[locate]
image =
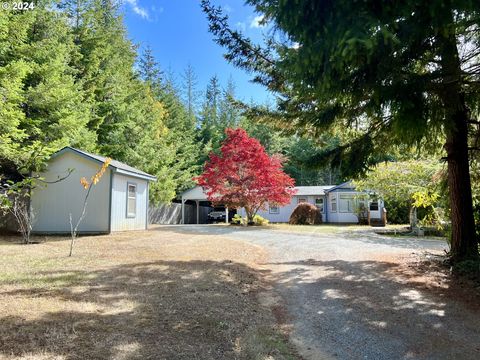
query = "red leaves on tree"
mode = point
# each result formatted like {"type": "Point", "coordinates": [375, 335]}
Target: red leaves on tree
{"type": "Point", "coordinates": [244, 175]}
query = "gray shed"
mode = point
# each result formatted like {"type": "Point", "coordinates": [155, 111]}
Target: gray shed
{"type": "Point", "coordinates": [119, 201]}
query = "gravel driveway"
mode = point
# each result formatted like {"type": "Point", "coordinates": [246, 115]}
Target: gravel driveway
{"type": "Point", "coordinates": [349, 295]}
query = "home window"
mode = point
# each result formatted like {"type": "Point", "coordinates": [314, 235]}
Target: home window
{"type": "Point", "coordinates": [274, 209]}
{"type": "Point", "coordinates": [334, 203]}
{"type": "Point", "coordinates": [302, 200]}
{"type": "Point", "coordinates": [319, 204]}
{"type": "Point", "coordinates": [374, 206]}
{"type": "Point", "coordinates": [131, 200]}
{"type": "Point", "coordinates": [346, 203]}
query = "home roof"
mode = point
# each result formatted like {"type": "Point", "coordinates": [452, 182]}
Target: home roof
{"type": "Point", "coordinates": [312, 190]}
{"type": "Point", "coordinates": [345, 185]}
{"type": "Point", "coordinates": [116, 165]}
{"type": "Point", "coordinates": [197, 192]}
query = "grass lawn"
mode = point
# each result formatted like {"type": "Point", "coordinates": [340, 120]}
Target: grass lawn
{"type": "Point", "coordinates": [137, 295]}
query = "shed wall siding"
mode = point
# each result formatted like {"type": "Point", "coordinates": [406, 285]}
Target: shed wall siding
{"type": "Point", "coordinates": [119, 219]}
{"type": "Point", "coordinates": [52, 204]}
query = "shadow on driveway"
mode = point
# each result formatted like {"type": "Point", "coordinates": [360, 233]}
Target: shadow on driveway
{"type": "Point", "coordinates": [376, 310]}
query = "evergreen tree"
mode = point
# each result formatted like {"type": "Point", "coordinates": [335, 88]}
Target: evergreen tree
{"type": "Point", "coordinates": [174, 138]}
{"type": "Point", "coordinates": [190, 92]}
{"type": "Point", "coordinates": [43, 107]}
{"type": "Point", "coordinates": [209, 116]}
{"type": "Point", "coordinates": [150, 71]}
{"type": "Point", "coordinates": [229, 114]}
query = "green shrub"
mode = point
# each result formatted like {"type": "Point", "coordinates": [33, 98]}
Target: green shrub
{"type": "Point", "coordinates": [258, 220]}
{"type": "Point", "coordinates": [305, 214]}
{"type": "Point", "coordinates": [237, 219]}
{"type": "Point", "coordinates": [397, 212]}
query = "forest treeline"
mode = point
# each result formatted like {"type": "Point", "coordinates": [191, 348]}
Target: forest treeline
{"type": "Point", "coordinates": [69, 75]}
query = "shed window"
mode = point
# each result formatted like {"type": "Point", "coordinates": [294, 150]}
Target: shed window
{"type": "Point", "coordinates": [302, 200]}
{"type": "Point", "coordinates": [319, 204]}
{"type": "Point", "coordinates": [346, 203]}
{"type": "Point", "coordinates": [374, 206]}
{"type": "Point", "coordinates": [274, 209]}
{"type": "Point", "coordinates": [131, 200]}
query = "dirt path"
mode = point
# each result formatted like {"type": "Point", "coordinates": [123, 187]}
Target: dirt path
{"type": "Point", "coordinates": [358, 295]}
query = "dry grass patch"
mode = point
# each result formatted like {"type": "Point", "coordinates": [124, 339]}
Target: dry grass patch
{"type": "Point", "coordinates": [328, 228]}
{"type": "Point", "coordinates": [139, 295]}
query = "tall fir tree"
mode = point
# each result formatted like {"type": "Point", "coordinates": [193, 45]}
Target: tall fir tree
{"type": "Point", "coordinates": [190, 92]}
{"type": "Point", "coordinates": [174, 140]}
{"type": "Point", "coordinates": [44, 104]}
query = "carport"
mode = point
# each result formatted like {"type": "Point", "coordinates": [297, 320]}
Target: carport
{"type": "Point", "coordinates": [196, 195]}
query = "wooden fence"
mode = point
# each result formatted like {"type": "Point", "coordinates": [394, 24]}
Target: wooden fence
{"type": "Point", "coordinates": [172, 214]}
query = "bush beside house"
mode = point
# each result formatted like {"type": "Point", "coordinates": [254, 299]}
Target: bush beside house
{"type": "Point", "coordinates": [305, 214]}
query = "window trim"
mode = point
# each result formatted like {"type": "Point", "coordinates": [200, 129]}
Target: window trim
{"type": "Point", "coordinates": [322, 209]}
{"type": "Point", "coordinates": [302, 198]}
{"type": "Point", "coordinates": [270, 211]}
{"type": "Point", "coordinates": [129, 215]}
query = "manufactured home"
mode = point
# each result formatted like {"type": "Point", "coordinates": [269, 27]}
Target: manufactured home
{"type": "Point", "coordinates": [340, 204]}
{"type": "Point", "coordinates": [119, 201]}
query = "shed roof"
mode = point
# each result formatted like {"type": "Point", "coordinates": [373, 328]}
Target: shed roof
{"type": "Point", "coordinates": [117, 165]}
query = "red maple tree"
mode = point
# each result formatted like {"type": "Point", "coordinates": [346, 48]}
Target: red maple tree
{"type": "Point", "coordinates": [244, 175]}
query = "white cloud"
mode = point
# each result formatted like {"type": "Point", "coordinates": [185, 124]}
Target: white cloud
{"type": "Point", "coordinates": [257, 22]}
{"type": "Point", "coordinates": [137, 9]}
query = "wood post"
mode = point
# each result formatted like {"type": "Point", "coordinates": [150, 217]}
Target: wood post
{"type": "Point", "coordinates": [197, 202]}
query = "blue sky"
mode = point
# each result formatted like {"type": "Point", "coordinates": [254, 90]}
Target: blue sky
{"type": "Point", "coordinates": [177, 32]}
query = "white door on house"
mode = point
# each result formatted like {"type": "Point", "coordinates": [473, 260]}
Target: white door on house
{"type": "Point", "coordinates": [375, 209]}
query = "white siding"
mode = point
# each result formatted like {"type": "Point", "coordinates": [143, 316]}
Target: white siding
{"type": "Point", "coordinates": [339, 216]}
{"type": "Point", "coordinates": [286, 210]}
{"type": "Point", "coordinates": [52, 204]}
{"type": "Point", "coordinates": [119, 219]}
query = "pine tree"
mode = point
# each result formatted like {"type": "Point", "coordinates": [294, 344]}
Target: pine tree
{"type": "Point", "coordinates": [44, 107]}
{"type": "Point", "coordinates": [174, 138]}
{"type": "Point", "coordinates": [150, 71]}
{"type": "Point", "coordinates": [210, 132]}
{"type": "Point", "coordinates": [190, 92]}
{"type": "Point", "coordinates": [229, 114]}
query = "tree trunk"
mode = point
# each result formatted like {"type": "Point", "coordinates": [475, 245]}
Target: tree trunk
{"type": "Point", "coordinates": [413, 217]}
{"type": "Point", "coordinates": [249, 216]}
{"type": "Point", "coordinates": [463, 241]}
